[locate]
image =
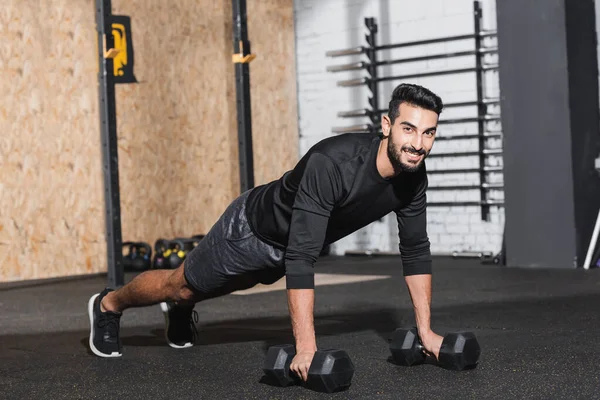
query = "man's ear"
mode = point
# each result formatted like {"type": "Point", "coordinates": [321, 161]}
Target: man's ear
{"type": "Point", "coordinates": [386, 125]}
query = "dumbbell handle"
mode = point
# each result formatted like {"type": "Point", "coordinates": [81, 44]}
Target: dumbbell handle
{"type": "Point", "coordinates": [421, 348]}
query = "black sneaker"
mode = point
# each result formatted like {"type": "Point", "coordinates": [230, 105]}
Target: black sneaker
{"type": "Point", "coordinates": [104, 328]}
{"type": "Point", "coordinates": [180, 327]}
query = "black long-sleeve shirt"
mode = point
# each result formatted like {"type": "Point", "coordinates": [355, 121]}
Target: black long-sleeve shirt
{"type": "Point", "coordinates": [334, 190]}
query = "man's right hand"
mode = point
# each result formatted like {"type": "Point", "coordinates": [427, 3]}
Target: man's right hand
{"type": "Point", "coordinates": [301, 363]}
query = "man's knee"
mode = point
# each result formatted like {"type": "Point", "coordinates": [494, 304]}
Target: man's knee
{"type": "Point", "coordinates": [180, 288]}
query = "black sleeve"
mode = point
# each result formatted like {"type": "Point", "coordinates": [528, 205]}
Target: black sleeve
{"type": "Point", "coordinates": [316, 196]}
{"type": "Point", "coordinates": [414, 245]}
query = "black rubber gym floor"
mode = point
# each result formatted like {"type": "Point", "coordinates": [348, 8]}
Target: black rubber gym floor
{"type": "Point", "coordinates": [538, 330]}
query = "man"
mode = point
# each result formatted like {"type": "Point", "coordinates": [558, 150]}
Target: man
{"type": "Point", "coordinates": [342, 184]}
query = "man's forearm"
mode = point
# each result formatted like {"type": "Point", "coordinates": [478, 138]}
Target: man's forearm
{"type": "Point", "coordinates": [301, 305]}
{"type": "Point", "coordinates": [419, 287]}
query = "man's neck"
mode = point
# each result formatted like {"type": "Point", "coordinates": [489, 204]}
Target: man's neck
{"type": "Point", "coordinates": [384, 165]}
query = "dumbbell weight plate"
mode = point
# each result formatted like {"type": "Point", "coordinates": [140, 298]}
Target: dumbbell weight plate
{"type": "Point", "coordinates": [405, 347]}
{"type": "Point", "coordinates": [330, 371]}
{"type": "Point", "coordinates": [459, 351]}
{"type": "Point", "coordinates": [277, 364]}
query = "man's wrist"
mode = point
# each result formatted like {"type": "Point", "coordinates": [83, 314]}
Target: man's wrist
{"type": "Point", "coordinates": [424, 330]}
{"type": "Point", "coordinates": [306, 347]}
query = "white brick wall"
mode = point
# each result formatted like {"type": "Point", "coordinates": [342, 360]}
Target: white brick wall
{"type": "Point", "coordinates": [323, 25]}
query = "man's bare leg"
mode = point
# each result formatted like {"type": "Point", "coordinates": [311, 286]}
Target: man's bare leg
{"type": "Point", "coordinates": [167, 287]}
{"type": "Point", "coordinates": [149, 288]}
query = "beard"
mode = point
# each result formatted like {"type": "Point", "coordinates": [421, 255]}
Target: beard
{"type": "Point", "coordinates": [395, 155]}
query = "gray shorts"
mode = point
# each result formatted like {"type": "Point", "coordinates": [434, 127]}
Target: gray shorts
{"type": "Point", "coordinates": [230, 257]}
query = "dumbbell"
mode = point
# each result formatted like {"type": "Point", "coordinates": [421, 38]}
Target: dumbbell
{"type": "Point", "coordinates": [330, 370]}
{"type": "Point", "coordinates": [459, 351]}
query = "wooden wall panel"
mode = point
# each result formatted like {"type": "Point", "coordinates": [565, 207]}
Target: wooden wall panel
{"type": "Point", "coordinates": [177, 131]}
{"type": "Point", "coordinates": [51, 205]}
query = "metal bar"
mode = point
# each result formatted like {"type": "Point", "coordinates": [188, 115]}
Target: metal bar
{"type": "Point", "coordinates": [436, 56]}
{"type": "Point", "coordinates": [481, 109]}
{"type": "Point", "coordinates": [463, 170]}
{"type": "Point", "coordinates": [362, 81]}
{"type": "Point", "coordinates": [473, 103]}
{"type": "Point", "coordinates": [486, 186]}
{"type": "Point", "coordinates": [241, 45]}
{"type": "Point", "coordinates": [352, 82]}
{"type": "Point", "coordinates": [439, 73]}
{"type": "Point", "coordinates": [347, 67]}
{"type": "Point", "coordinates": [363, 65]}
{"type": "Point", "coordinates": [110, 153]}
{"type": "Point", "coordinates": [437, 40]}
{"type": "Point", "coordinates": [354, 113]}
{"type": "Point", "coordinates": [494, 100]}
{"type": "Point", "coordinates": [346, 52]}
{"type": "Point", "coordinates": [481, 119]}
{"type": "Point", "coordinates": [465, 203]}
{"type": "Point", "coordinates": [364, 128]}
{"type": "Point", "coordinates": [469, 136]}
{"type": "Point", "coordinates": [489, 152]}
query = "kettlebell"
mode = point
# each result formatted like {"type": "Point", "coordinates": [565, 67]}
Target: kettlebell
{"type": "Point", "coordinates": [128, 256]}
{"type": "Point", "coordinates": [188, 243]}
{"type": "Point", "coordinates": [141, 256]}
{"type": "Point", "coordinates": [160, 259]}
{"type": "Point", "coordinates": [176, 253]}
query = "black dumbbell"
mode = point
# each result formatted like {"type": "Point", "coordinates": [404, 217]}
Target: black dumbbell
{"type": "Point", "coordinates": [330, 370]}
{"type": "Point", "coordinates": [459, 351]}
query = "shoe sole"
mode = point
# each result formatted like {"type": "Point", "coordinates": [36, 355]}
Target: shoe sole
{"type": "Point", "coordinates": [165, 309]}
{"type": "Point", "coordinates": [92, 347]}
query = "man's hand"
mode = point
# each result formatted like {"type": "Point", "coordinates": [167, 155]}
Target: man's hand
{"type": "Point", "coordinates": [432, 342]}
{"type": "Point", "coordinates": [301, 363]}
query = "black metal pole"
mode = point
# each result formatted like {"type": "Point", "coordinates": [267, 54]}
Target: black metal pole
{"type": "Point", "coordinates": [481, 106]}
{"type": "Point", "coordinates": [371, 39]}
{"type": "Point", "coordinates": [108, 131]}
{"type": "Point", "coordinates": [241, 47]}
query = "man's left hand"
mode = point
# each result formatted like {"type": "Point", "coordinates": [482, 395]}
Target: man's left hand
{"type": "Point", "coordinates": [432, 343]}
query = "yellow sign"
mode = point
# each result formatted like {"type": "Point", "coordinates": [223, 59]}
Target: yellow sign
{"type": "Point", "coordinates": [120, 60]}
{"type": "Point", "coordinates": [123, 54]}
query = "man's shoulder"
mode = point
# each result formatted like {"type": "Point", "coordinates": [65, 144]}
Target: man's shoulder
{"type": "Point", "coordinates": [344, 147]}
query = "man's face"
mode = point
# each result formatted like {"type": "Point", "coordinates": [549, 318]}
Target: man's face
{"type": "Point", "coordinates": [411, 137]}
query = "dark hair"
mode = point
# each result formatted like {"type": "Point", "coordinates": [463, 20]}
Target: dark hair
{"type": "Point", "coordinates": [415, 95]}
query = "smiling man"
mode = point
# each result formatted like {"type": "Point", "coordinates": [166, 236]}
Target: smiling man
{"type": "Point", "coordinates": [340, 185]}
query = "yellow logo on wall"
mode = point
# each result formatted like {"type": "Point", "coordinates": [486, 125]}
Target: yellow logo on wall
{"type": "Point", "coordinates": [123, 61]}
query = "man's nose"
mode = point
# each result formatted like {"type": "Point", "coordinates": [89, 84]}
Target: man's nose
{"type": "Point", "coordinates": [417, 141]}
